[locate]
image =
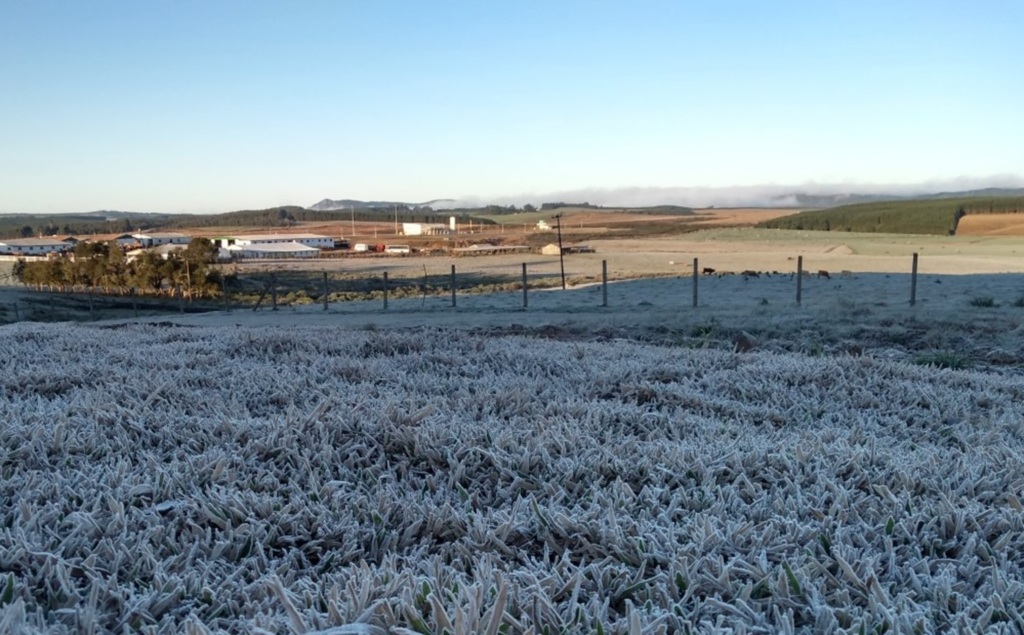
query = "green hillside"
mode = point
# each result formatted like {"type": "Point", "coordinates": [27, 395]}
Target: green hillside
{"type": "Point", "coordinates": [916, 216]}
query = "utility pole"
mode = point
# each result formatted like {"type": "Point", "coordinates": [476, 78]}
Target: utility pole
{"type": "Point", "coordinates": [396, 220]}
{"type": "Point", "coordinates": [352, 215]}
{"type": "Point", "coordinates": [561, 253]}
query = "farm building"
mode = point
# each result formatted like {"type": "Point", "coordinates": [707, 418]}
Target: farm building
{"type": "Point", "coordinates": [127, 241]}
{"type": "Point", "coordinates": [482, 250]}
{"type": "Point", "coordinates": [161, 238]}
{"type": "Point", "coordinates": [164, 251]}
{"type": "Point", "coordinates": [272, 250]}
{"type": "Point", "coordinates": [315, 241]}
{"type": "Point", "coordinates": [425, 229]}
{"type": "Point", "coordinates": [34, 246]}
{"type": "Point", "coordinates": [553, 250]}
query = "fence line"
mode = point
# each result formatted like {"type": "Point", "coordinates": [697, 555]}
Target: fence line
{"type": "Point", "coordinates": [271, 290]}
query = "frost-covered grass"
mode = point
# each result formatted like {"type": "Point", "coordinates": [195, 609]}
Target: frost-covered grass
{"type": "Point", "coordinates": [320, 480]}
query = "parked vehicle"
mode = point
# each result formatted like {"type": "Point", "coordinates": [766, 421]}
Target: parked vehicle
{"type": "Point", "coordinates": [397, 249]}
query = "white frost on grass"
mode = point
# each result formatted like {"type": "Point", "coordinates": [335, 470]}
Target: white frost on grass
{"type": "Point", "coordinates": [320, 480]}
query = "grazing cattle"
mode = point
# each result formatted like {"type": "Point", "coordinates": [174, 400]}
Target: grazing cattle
{"type": "Point", "coordinates": [751, 273]}
{"type": "Point", "coordinates": [823, 274]}
{"type": "Point", "coordinates": [707, 271]}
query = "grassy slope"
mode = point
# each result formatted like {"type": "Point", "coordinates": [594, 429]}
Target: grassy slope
{"type": "Point", "coordinates": [931, 216]}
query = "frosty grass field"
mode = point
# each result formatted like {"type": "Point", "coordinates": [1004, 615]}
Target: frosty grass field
{"type": "Point", "coordinates": [322, 480]}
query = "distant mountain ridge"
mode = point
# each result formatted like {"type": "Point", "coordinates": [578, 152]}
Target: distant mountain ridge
{"type": "Point", "coordinates": [328, 205]}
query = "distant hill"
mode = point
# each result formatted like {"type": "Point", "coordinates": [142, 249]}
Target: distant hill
{"type": "Point", "coordinates": [986, 192]}
{"type": "Point", "coordinates": [328, 204]}
{"type": "Point", "coordinates": [926, 215]}
{"type": "Point", "coordinates": [801, 199]}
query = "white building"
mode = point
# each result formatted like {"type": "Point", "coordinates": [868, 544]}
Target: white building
{"type": "Point", "coordinates": [162, 238]}
{"type": "Point", "coordinates": [164, 251]}
{"type": "Point", "coordinates": [315, 241]}
{"type": "Point", "coordinates": [34, 246]}
{"type": "Point", "coordinates": [425, 229]}
{"type": "Point", "coordinates": [272, 250]}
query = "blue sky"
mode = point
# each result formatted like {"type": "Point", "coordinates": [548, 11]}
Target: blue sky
{"type": "Point", "coordinates": [207, 106]}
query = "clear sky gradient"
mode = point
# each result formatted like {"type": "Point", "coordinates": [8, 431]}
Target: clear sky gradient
{"type": "Point", "coordinates": [208, 106]}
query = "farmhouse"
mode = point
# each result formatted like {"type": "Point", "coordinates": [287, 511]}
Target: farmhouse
{"type": "Point", "coordinates": [315, 241]}
{"type": "Point", "coordinates": [33, 246]}
{"type": "Point", "coordinates": [291, 249]}
{"type": "Point", "coordinates": [161, 238]}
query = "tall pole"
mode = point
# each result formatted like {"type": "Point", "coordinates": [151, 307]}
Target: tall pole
{"type": "Point", "coordinates": [352, 215]}
{"type": "Point", "coordinates": [561, 256]}
{"type": "Point", "coordinates": [396, 220]}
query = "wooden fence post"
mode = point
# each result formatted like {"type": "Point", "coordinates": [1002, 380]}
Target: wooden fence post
{"type": "Point", "coordinates": [524, 286]}
{"type": "Point", "coordinates": [604, 283]}
{"type": "Point", "coordinates": [453, 285]}
{"type": "Point", "coordinates": [913, 280]}
{"type": "Point", "coordinates": [695, 282]}
{"type": "Point", "coordinates": [326, 291]}
{"type": "Point", "coordinates": [273, 293]}
{"type": "Point", "coordinates": [799, 278]}
{"type": "Point", "coordinates": [385, 290]}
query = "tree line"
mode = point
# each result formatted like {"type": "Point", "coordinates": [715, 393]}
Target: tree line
{"type": "Point", "coordinates": [104, 267]}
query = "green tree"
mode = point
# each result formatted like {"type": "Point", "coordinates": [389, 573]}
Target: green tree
{"type": "Point", "coordinates": [146, 272]}
{"type": "Point", "coordinates": [18, 270]}
{"type": "Point", "coordinates": [115, 270]}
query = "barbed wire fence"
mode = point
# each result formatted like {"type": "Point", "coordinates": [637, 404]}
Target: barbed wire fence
{"type": "Point", "coordinates": [434, 289]}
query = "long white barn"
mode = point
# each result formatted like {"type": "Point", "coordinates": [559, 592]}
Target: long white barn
{"type": "Point", "coordinates": [316, 241]}
{"type": "Point", "coordinates": [34, 246]}
{"type": "Point", "coordinates": [290, 249]}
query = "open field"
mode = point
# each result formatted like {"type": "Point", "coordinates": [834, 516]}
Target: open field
{"type": "Point", "coordinates": [564, 467]}
{"type": "Point", "coordinates": [725, 250]}
{"type": "Point", "coordinates": [317, 479]}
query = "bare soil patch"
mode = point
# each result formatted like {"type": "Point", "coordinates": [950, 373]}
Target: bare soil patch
{"type": "Point", "coordinates": [991, 225]}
